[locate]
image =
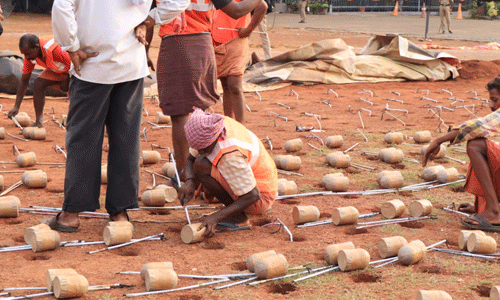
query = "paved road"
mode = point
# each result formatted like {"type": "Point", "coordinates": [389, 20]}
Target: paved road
{"type": "Point", "coordinates": [410, 25]}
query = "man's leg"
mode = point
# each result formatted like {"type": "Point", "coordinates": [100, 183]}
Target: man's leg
{"type": "Point", "coordinates": [41, 84]}
{"type": "Point", "coordinates": [181, 146]}
{"type": "Point", "coordinates": [447, 17]}
{"type": "Point", "coordinates": [477, 151]}
{"type": "Point", "coordinates": [203, 171]}
{"type": "Point", "coordinates": [227, 101]}
{"type": "Point", "coordinates": [302, 10]}
{"type": "Point", "coordinates": [88, 107]}
{"type": "Point", "coordinates": [266, 44]}
{"type": "Point", "coordinates": [441, 16]}
{"type": "Point", "coordinates": [123, 123]}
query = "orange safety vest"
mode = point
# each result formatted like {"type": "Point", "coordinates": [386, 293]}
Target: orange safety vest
{"type": "Point", "coordinates": [196, 18]}
{"type": "Point", "coordinates": [48, 62]}
{"type": "Point", "coordinates": [238, 138]}
{"type": "Point", "coordinates": [222, 20]}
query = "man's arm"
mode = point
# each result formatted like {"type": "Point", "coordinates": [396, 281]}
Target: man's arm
{"type": "Point", "coordinates": [21, 91]}
{"type": "Point", "coordinates": [258, 14]}
{"type": "Point", "coordinates": [239, 205]}
{"type": "Point", "coordinates": [434, 147]}
{"type": "Point", "coordinates": [64, 25]}
{"type": "Point", "coordinates": [237, 10]}
{"type": "Point", "coordinates": [166, 11]}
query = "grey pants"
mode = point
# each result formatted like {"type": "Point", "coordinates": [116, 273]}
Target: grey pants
{"type": "Point", "coordinates": [93, 106]}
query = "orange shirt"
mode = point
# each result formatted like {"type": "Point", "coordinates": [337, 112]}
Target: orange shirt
{"type": "Point", "coordinates": [53, 58]}
{"type": "Point", "coordinates": [222, 20]}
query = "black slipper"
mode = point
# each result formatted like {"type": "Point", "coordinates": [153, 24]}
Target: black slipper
{"type": "Point", "coordinates": [52, 222]}
{"type": "Point", "coordinates": [482, 224]}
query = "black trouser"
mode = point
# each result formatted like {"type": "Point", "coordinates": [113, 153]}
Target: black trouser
{"type": "Point", "coordinates": [93, 106]}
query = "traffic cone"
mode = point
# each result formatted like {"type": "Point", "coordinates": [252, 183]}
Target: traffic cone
{"type": "Point", "coordinates": [424, 11]}
{"type": "Point", "coordinates": [459, 12]}
{"type": "Point", "coordinates": [396, 8]}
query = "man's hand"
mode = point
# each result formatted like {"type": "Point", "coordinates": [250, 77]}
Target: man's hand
{"type": "Point", "coordinates": [467, 208]}
{"type": "Point", "coordinates": [13, 112]}
{"type": "Point", "coordinates": [150, 63]}
{"type": "Point", "coordinates": [186, 192]}
{"type": "Point", "coordinates": [431, 152]}
{"type": "Point", "coordinates": [140, 33]}
{"type": "Point", "coordinates": [78, 57]}
{"type": "Point", "coordinates": [210, 222]}
{"type": "Point", "coordinates": [244, 32]}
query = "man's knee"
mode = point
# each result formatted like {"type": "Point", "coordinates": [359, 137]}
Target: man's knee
{"type": "Point", "coordinates": [235, 84]}
{"type": "Point", "coordinates": [476, 146]}
{"type": "Point", "coordinates": [41, 84]}
{"type": "Point", "coordinates": [202, 167]}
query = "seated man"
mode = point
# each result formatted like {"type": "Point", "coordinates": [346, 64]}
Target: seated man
{"type": "Point", "coordinates": [49, 55]}
{"type": "Point", "coordinates": [483, 178]}
{"type": "Point", "coordinates": [232, 165]}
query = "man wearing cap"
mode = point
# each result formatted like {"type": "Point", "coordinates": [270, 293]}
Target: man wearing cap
{"type": "Point", "coordinates": [232, 164]}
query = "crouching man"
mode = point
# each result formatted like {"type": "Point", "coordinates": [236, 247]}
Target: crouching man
{"type": "Point", "coordinates": [232, 164]}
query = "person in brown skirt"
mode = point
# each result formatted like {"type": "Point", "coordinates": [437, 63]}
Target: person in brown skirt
{"type": "Point", "coordinates": [186, 68]}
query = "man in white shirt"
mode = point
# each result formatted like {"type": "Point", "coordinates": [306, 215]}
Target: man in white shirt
{"type": "Point", "coordinates": [105, 40]}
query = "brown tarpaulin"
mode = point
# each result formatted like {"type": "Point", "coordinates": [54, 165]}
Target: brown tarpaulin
{"type": "Point", "coordinates": [383, 58]}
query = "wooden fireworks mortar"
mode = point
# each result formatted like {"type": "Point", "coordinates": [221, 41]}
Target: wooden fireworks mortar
{"type": "Point", "coordinates": [392, 209]}
{"type": "Point", "coordinates": [353, 259]}
{"type": "Point", "coordinates": [338, 160]}
{"type": "Point", "coordinates": [447, 175]}
{"type": "Point", "coordinates": [391, 155]}
{"type": "Point", "coordinates": [433, 295]}
{"type": "Point", "coordinates": [252, 259]}
{"type": "Point", "coordinates": [150, 157]}
{"type": "Point", "coordinates": [23, 119]}
{"type": "Point", "coordinates": [26, 159]}
{"type": "Point", "coordinates": [156, 198]}
{"type": "Point", "coordinates": [190, 233]}
{"type": "Point", "coordinates": [393, 138]}
{"type": "Point", "coordinates": [162, 265]}
{"type": "Point", "coordinates": [294, 145]}
{"type": "Point", "coordinates": [34, 179]}
{"type": "Point", "coordinates": [64, 120]}
{"type": "Point", "coordinates": [168, 169]}
{"type": "Point", "coordinates": [495, 293]}
{"type": "Point", "coordinates": [118, 232]}
{"type": "Point", "coordinates": [441, 153]}
{"type": "Point", "coordinates": [271, 266]}
{"type": "Point", "coordinates": [389, 246]}
{"type": "Point", "coordinates": [303, 214]}
{"type": "Point", "coordinates": [464, 235]}
{"type": "Point", "coordinates": [290, 163]}
{"type": "Point", "coordinates": [69, 286]}
{"type": "Point", "coordinates": [286, 187]}
{"type": "Point", "coordinates": [9, 207]}
{"type": "Point", "coordinates": [42, 239]}
{"type": "Point", "coordinates": [334, 141]}
{"type": "Point", "coordinates": [422, 137]}
{"type": "Point", "coordinates": [162, 119]}
{"type": "Point", "coordinates": [411, 253]}
{"type": "Point", "coordinates": [35, 133]}
{"type": "Point", "coordinates": [430, 173]}
{"type": "Point", "coordinates": [336, 182]}
{"type": "Point", "coordinates": [390, 179]}
{"type": "Point", "coordinates": [104, 174]}
{"type": "Point", "coordinates": [2, 133]}
{"type": "Point", "coordinates": [332, 252]}
{"type": "Point", "coordinates": [345, 215]}
{"type": "Point", "coordinates": [478, 243]}
{"type": "Point", "coordinates": [419, 208]}
{"type": "Point", "coordinates": [30, 231]}
{"type": "Point", "coordinates": [160, 279]}
{"type": "Point", "coordinates": [52, 273]}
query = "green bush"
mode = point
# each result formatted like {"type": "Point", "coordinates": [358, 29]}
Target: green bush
{"type": "Point", "coordinates": [492, 9]}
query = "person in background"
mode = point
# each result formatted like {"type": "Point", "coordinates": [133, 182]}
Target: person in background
{"type": "Point", "coordinates": [445, 8]}
{"type": "Point", "coordinates": [56, 62]}
{"type": "Point", "coordinates": [302, 4]}
{"type": "Point", "coordinates": [1, 19]}
{"type": "Point", "coordinates": [483, 177]}
{"type": "Point", "coordinates": [266, 44]}
{"type": "Point", "coordinates": [230, 38]}
{"type": "Point", "coordinates": [233, 165]}
{"type": "Point", "coordinates": [186, 68]}
{"type": "Point", "coordinates": [106, 91]}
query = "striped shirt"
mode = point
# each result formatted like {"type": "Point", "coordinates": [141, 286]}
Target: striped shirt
{"type": "Point", "coordinates": [481, 127]}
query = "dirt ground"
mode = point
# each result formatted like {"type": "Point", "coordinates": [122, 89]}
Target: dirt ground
{"type": "Point", "coordinates": [461, 277]}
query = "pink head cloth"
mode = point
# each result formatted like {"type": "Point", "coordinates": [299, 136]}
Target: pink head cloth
{"type": "Point", "coordinates": [202, 129]}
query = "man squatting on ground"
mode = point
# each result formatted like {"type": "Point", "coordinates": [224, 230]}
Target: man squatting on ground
{"type": "Point", "coordinates": [56, 62]}
{"type": "Point", "coordinates": [187, 74]}
{"type": "Point", "coordinates": [483, 177]}
{"type": "Point", "coordinates": [232, 164]}
{"type": "Point", "coordinates": [105, 40]}
{"type": "Point", "coordinates": [231, 54]}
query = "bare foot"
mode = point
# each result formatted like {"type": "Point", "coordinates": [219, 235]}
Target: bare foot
{"type": "Point", "coordinates": [490, 217]}
{"type": "Point", "coordinates": [68, 219]}
{"type": "Point", "coordinates": [120, 217]}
